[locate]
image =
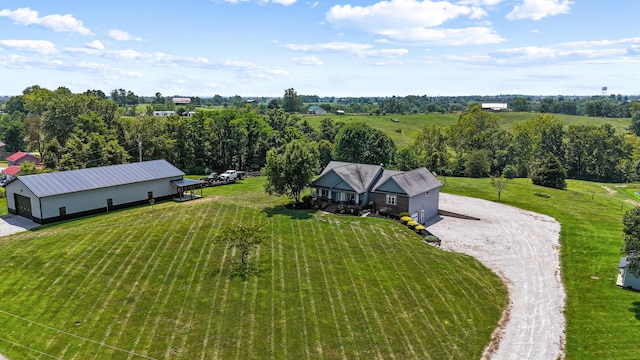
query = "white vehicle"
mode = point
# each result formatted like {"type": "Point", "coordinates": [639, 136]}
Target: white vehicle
{"type": "Point", "coordinates": [231, 175]}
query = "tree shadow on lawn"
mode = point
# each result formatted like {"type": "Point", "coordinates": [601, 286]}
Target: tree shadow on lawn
{"type": "Point", "coordinates": [238, 271]}
{"type": "Point", "coordinates": [635, 308]}
{"type": "Point", "coordinates": [293, 214]}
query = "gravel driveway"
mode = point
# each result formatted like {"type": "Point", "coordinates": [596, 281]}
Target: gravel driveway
{"type": "Point", "coordinates": [524, 249]}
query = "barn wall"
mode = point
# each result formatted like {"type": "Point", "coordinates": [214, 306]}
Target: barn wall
{"type": "Point", "coordinates": [94, 201]}
{"type": "Point", "coordinates": [17, 187]}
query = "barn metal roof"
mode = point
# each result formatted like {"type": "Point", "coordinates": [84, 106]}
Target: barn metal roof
{"type": "Point", "coordinates": [64, 182]}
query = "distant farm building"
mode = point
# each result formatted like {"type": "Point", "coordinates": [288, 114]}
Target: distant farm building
{"type": "Point", "coordinates": [316, 110]}
{"type": "Point", "coordinates": [163, 113]}
{"type": "Point", "coordinates": [494, 106]}
{"type": "Point", "coordinates": [56, 196]}
{"type": "Point", "coordinates": [20, 157]}
{"type": "Point", "coordinates": [181, 100]}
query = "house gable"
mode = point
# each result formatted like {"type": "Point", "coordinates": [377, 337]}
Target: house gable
{"type": "Point", "coordinates": [331, 180]}
{"type": "Point", "coordinates": [390, 186]}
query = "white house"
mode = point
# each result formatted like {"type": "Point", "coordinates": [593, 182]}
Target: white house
{"type": "Point", "coordinates": [55, 196]}
{"type": "Point", "coordinates": [416, 192]}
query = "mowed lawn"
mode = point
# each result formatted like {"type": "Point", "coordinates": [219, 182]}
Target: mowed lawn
{"type": "Point", "coordinates": [603, 320]}
{"type": "Point", "coordinates": [148, 283]}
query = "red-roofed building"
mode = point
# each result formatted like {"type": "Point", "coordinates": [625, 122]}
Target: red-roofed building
{"type": "Point", "coordinates": [20, 157]}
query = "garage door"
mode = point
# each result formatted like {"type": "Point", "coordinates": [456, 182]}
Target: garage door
{"type": "Point", "coordinates": [23, 206]}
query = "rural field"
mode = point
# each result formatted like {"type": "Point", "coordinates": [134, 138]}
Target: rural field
{"type": "Point", "coordinates": [408, 126]}
{"type": "Point", "coordinates": [147, 283]}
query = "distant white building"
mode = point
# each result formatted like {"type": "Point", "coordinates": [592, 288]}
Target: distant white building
{"type": "Point", "coordinates": [494, 106]}
{"type": "Point", "coordinates": [164, 113]}
{"type": "Point", "coordinates": [181, 100]}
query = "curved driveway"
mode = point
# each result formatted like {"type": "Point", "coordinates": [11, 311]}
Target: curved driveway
{"type": "Point", "coordinates": [523, 248]}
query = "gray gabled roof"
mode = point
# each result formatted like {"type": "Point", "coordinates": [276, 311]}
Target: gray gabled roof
{"type": "Point", "coordinates": [413, 182]}
{"type": "Point", "coordinates": [64, 182]}
{"type": "Point", "coordinates": [358, 176]}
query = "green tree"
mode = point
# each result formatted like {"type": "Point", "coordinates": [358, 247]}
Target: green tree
{"type": "Point", "coordinates": [291, 102]}
{"type": "Point", "coordinates": [631, 247]}
{"type": "Point", "coordinates": [406, 159]}
{"type": "Point", "coordinates": [245, 238]}
{"type": "Point", "coordinates": [360, 143]}
{"type": "Point", "coordinates": [499, 183]}
{"type": "Point", "coordinates": [477, 164]}
{"type": "Point", "coordinates": [288, 173]}
{"type": "Point", "coordinates": [549, 172]}
{"type": "Point", "coordinates": [635, 117]}
{"type": "Point", "coordinates": [431, 148]}
{"type": "Point", "coordinates": [13, 132]}
{"type": "Point", "coordinates": [521, 105]}
{"type": "Point", "coordinates": [325, 151]}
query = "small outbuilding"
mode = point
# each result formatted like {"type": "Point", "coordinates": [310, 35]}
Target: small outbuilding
{"type": "Point", "coordinates": [56, 196]}
{"type": "Point", "coordinates": [626, 279]}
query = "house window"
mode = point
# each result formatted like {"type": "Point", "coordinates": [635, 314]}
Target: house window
{"type": "Point", "coordinates": [324, 193]}
{"type": "Point", "coordinates": [351, 197]}
{"type": "Point", "coordinates": [391, 200]}
{"type": "Point", "coordinates": [63, 211]}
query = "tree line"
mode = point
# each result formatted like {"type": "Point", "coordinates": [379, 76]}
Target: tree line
{"type": "Point", "coordinates": [88, 129]}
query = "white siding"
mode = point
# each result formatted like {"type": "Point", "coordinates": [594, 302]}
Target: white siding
{"type": "Point", "coordinates": [96, 199]}
{"type": "Point", "coordinates": [17, 187]}
{"type": "Point", "coordinates": [428, 203]}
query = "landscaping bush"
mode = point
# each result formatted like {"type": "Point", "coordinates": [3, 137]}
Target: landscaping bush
{"type": "Point", "coordinates": [404, 213]}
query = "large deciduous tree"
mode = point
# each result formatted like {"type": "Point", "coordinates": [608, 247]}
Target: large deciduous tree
{"type": "Point", "coordinates": [360, 143]}
{"type": "Point", "coordinates": [289, 172]}
{"type": "Point", "coordinates": [291, 103]}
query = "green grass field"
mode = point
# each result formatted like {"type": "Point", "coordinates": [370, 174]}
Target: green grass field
{"type": "Point", "coordinates": [603, 320]}
{"type": "Point", "coordinates": [146, 283]}
{"type": "Point", "coordinates": [408, 127]}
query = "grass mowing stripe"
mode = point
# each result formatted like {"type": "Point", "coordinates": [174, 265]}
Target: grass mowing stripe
{"type": "Point", "coordinates": [170, 273]}
{"type": "Point", "coordinates": [203, 354]}
{"type": "Point", "coordinates": [303, 312]}
{"type": "Point", "coordinates": [334, 316]}
{"type": "Point", "coordinates": [357, 227]}
{"type": "Point", "coordinates": [400, 244]}
{"type": "Point", "coordinates": [31, 322]}
{"type": "Point", "coordinates": [340, 297]}
{"type": "Point", "coordinates": [29, 348]}
{"type": "Point", "coordinates": [205, 266]}
{"type": "Point", "coordinates": [190, 239]}
{"type": "Point", "coordinates": [225, 294]}
{"type": "Point", "coordinates": [283, 304]}
{"type": "Point", "coordinates": [360, 300]}
{"type": "Point", "coordinates": [312, 303]}
{"type": "Point", "coordinates": [164, 243]}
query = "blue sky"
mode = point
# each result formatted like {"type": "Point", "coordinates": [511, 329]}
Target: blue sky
{"type": "Point", "coordinates": [326, 48]}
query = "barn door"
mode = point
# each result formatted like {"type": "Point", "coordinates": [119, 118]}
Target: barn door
{"type": "Point", "coordinates": [23, 206]}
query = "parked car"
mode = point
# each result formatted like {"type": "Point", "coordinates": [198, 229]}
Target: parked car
{"type": "Point", "coordinates": [231, 175]}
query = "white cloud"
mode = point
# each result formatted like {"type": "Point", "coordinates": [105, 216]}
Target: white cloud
{"type": "Point", "coordinates": [418, 22]}
{"type": "Point", "coordinates": [359, 50]}
{"type": "Point", "coordinates": [58, 23]}
{"type": "Point", "coordinates": [396, 14]}
{"type": "Point", "coordinates": [539, 9]}
{"type": "Point", "coordinates": [455, 37]}
{"type": "Point", "coordinates": [43, 47]}
{"type": "Point", "coordinates": [120, 35]}
{"type": "Point", "coordinates": [96, 44]}
{"type": "Point", "coordinates": [284, 2]}
{"type": "Point", "coordinates": [307, 60]}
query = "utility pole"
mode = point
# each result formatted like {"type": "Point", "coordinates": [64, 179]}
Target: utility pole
{"type": "Point", "coordinates": [139, 148]}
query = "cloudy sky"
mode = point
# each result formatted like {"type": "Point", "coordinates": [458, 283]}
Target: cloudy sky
{"type": "Point", "coordinates": [322, 47]}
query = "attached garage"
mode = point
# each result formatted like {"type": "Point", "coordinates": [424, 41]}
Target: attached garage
{"type": "Point", "coordinates": [56, 196]}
